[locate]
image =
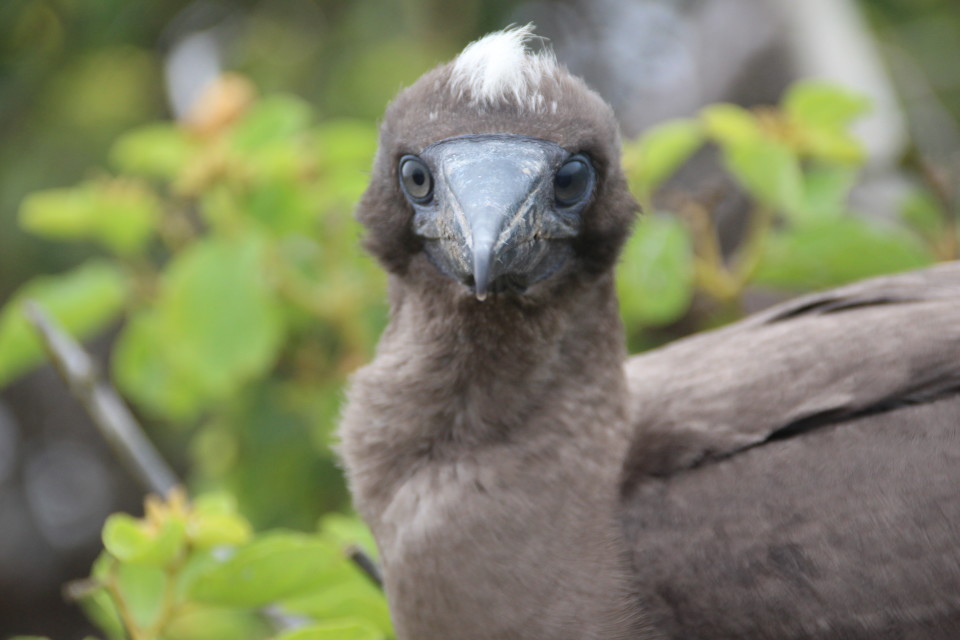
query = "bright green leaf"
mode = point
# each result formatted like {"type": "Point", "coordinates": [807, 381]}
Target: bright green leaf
{"type": "Point", "coordinates": [270, 568]}
{"type": "Point", "coordinates": [820, 114]}
{"type": "Point", "coordinates": [157, 150]}
{"type": "Point", "coordinates": [819, 104]}
{"type": "Point", "coordinates": [659, 152]}
{"type": "Point", "coordinates": [82, 301]}
{"type": "Point", "coordinates": [208, 530]}
{"type": "Point", "coordinates": [655, 280]}
{"type": "Point", "coordinates": [345, 630]}
{"type": "Point", "coordinates": [132, 541]}
{"type": "Point", "coordinates": [125, 537]}
{"type": "Point", "coordinates": [769, 171]}
{"type": "Point", "coordinates": [836, 251]}
{"type": "Point", "coordinates": [730, 124]}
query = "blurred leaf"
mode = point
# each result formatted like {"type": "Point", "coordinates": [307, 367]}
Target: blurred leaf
{"type": "Point", "coordinates": [821, 114]}
{"type": "Point", "coordinates": [348, 530]}
{"type": "Point", "coordinates": [819, 104]}
{"type": "Point", "coordinates": [659, 153]}
{"type": "Point", "coordinates": [655, 281]}
{"type": "Point", "coordinates": [158, 150]}
{"type": "Point", "coordinates": [82, 301]}
{"type": "Point", "coordinates": [121, 214]}
{"type": "Point", "coordinates": [272, 567]}
{"type": "Point", "coordinates": [834, 252]}
{"type": "Point", "coordinates": [143, 370]}
{"type": "Point", "coordinates": [282, 205]}
{"type": "Point", "coordinates": [826, 188]}
{"type": "Point", "coordinates": [132, 541]}
{"type": "Point", "coordinates": [346, 630]}
{"type": "Point", "coordinates": [215, 521]}
{"type": "Point", "coordinates": [347, 596]}
{"type": "Point", "coordinates": [729, 124]}
{"type": "Point", "coordinates": [217, 315]}
{"type": "Point", "coordinates": [769, 171]}
{"type": "Point", "coordinates": [198, 622]}
{"type": "Point", "coordinates": [140, 586]}
{"type": "Point", "coordinates": [269, 120]}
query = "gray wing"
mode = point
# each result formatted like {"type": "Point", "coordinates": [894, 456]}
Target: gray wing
{"type": "Point", "coordinates": [797, 474]}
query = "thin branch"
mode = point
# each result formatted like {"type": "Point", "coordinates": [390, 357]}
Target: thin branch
{"type": "Point", "coordinates": [103, 404]}
{"type": "Point", "coordinates": [366, 564]}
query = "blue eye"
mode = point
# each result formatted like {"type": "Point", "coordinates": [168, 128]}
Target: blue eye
{"type": "Point", "coordinates": [415, 179]}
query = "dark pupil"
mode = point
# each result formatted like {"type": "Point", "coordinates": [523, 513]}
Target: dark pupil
{"type": "Point", "coordinates": [418, 176]}
{"type": "Point", "coordinates": [570, 182]}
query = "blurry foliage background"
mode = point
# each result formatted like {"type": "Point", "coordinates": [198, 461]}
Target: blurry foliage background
{"type": "Point", "coordinates": [250, 204]}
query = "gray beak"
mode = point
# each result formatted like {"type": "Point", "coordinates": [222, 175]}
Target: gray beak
{"type": "Point", "coordinates": [493, 222]}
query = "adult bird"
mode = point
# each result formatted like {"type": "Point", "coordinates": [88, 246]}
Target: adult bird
{"type": "Point", "coordinates": [790, 476]}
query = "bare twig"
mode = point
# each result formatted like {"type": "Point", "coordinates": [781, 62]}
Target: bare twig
{"type": "Point", "coordinates": [366, 564]}
{"type": "Point", "coordinates": [104, 405]}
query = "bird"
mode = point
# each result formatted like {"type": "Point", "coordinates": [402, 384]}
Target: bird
{"type": "Point", "coordinates": [791, 475]}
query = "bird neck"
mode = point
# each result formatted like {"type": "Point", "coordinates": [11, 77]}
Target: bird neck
{"type": "Point", "coordinates": [483, 447]}
{"type": "Point", "coordinates": [488, 368]}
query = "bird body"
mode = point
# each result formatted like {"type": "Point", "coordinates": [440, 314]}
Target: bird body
{"type": "Point", "coordinates": [524, 479]}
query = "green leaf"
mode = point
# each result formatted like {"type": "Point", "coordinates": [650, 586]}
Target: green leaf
{"type": "Point", "coordinates": [820, 114]}
{"type": "Point", "coordinates": [819, 104]}
{"type": "Point", "coordinates": [282, 205]}
{"type": "Point", "coordinates": [347, 530]}
{"type": "Point", "coordinates": [121, 214]}
{"type": "Point", "coordinates": [159, 150]}
{"type": "Point", "coordinates": [826, 189]}
{"type": "Point", "coordinates": [82, 301]}
{"type": "Point", "coordinates": [729, 124]}
{"type": "Point", "coordinates": [769, 171]}
{"type": "Point", "coordinates": [655, 280]}
{"type": "Point", "coordinates": [141, 587]}
{"type": "Point", "coordinates": [354, 596]}
{"type": "Point", "coordinates": [215, 521]}
{"type": "Point", "coordinates": [343, 630]}
{"type": "Point", "coordinates": [217, 316]}
{"type": "Point", "coordinates": [836, 251]}
{"type": "Point", "coordinates": [198, 622]}
{"type": "Point", "coordinates": [132, 541]}
{"type": "Point", "coordinates": [655, 156]}
{"type": "Point", "coordinates": [143, 369]}
{"type": "Point", "coordinates": [268, 120]}
{"type": "Point", "coordinates": [270, 568]}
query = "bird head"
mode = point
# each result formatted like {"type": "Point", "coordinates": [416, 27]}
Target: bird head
{"type": "Point", "coordinates": [498, 173]}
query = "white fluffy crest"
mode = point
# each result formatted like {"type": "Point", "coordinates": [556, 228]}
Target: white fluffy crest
{"type": "Point", "coordinates": [499, 65]}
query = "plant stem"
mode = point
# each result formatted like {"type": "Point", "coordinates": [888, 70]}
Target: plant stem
{"type": "Point", "coordinates": [126, 616]}
{"type": "Point", "coordinates": [103, 404]}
